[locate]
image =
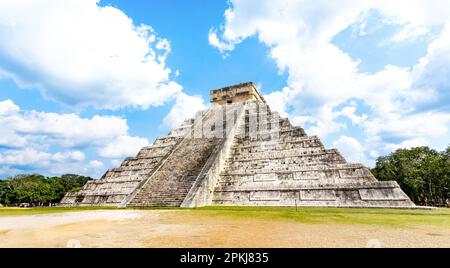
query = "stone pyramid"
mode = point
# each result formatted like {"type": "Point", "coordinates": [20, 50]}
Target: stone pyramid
{"type": "Point", "coordinates": [238, 152]}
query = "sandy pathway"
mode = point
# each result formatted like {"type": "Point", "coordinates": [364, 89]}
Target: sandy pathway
{"type": "Point", "coordinates": [172, 228]}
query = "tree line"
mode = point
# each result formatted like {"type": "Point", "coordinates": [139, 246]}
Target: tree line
{"type": "Point", "coordinates": [422, 173]}
{"type": "Point", "coordinates": [38, 190]}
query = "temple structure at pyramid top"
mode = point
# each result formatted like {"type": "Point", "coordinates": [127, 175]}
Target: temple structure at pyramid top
{"type": "Point", "coordinates": [237, 93]}
{"type": "Point", "coordinates": [238, 152]}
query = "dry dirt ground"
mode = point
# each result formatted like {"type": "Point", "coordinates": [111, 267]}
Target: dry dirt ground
{"type": "Point", "coordinates": [174, 228]}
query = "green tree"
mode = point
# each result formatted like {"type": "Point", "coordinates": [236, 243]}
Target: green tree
{"type": "Point", "coordinates": [423, 173]}
{"type": "Point", "coordinates": [38, 190]}
{"type": "Point", "coordinates": [3, 191]}
{"type": "Point", "coordinates": [67, 182]}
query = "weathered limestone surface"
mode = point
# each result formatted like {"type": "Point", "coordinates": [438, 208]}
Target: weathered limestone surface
{"type": "Point", "coordinates": [239, 152]}
{"type": "Point", "coordinates": [117, 183]}
{"type": "Point", "coordinates": [296, 169]}
{"type": "Point", "coordinates": [170, 185]}
{"type": "Point", "coordinates": [236, 93]}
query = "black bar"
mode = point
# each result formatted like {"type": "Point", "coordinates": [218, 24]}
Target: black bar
{"type": "Point", "coordinates": [228, 257]}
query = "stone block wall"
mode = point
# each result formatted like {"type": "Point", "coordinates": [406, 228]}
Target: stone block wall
{"type": "Point", "coordinates": [291, 168]}
{"type": "Point", "coordinates": [118, 183]}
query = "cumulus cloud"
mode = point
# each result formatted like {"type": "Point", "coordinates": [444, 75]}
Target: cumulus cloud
{"type": "Point", "coordinates": [350, 148]}
{"type": "Point", "coordinates": [57, 143]}
{"type": "Point", "coordinates": [279, 100]}
{"type": "Point", "coordinates": [350, 112]}
{"type": "Point", "coordinates": [72, 155]}
{"type": "Point", "coordinates": [8, 107]}
{"type": "Point", "coordinates": [82, 54]}
{"type": "Point", "coordinates": [184, 108]}
{"type": "Point", "coordinates": [402, 104]}
{"type": "Point", "coordinates": [123, 146]}
{"type": "Point", "coordinates": [96, 163]}
{"type": "Point", "coordinates": [30, 156]}
{"type": "Point", "coordinates": [409, 32]}
{"type": "Point", "coordinates": [222, 46]}
{"type": "Point", "coordinates": [68, 130]}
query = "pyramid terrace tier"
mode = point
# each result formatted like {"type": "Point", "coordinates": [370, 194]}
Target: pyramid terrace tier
{"type": "Point", "coordinates": [315, 175]}
{"type": "Point", "coordinates": [274, 165]}
{"type": "Point", "coordinates": [373, 194]}
{"type": "Point", "coordinates": [293, 156]}
{"type": "Point", "coordinates": [289, 142]}
{"type": "Point", "coordinates": [118, 183]}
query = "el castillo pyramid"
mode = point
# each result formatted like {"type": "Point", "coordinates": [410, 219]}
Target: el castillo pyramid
{"type": "Point", "coordinates": [238, 152]}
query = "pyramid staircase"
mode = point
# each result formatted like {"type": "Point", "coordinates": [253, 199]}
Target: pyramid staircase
{"type": "Point", "coordinates": [170, 185]}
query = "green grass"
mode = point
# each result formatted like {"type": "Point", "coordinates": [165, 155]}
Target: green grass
{"type": "Point", "coordinates": [375, 216]}
{"type": "Point", "coordinates": [13, 211]}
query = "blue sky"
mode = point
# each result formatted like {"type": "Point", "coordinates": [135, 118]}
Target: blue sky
{"type": "Point", "coordinates": [84, 84]}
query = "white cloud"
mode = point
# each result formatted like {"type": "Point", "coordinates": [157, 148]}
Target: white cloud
{"type": "Point", "coordinates": [25, 157]}
{"type": "Point", "coordinates": [279, 100]}
{"type": "Point", "coordinates": [68, 130]}
{"type": "Point", "coordinates": [9, 137]}
{"type": "Point", "coordinates": [96, 163]}
{"type": "Point", "coordinates": [115, 162]}
{"type": "Point", "coordinates": [351, 149]}
{"type": "Point", "coordinates": [430, 128]}
{"type": "Point", "coordinates": [409, 32]}
{"type": "Point", "coordinates": [59, 143]}
{"type": "Point", "coordinates": [81, 54]}
{"type": "Point", "coordinates": [350, 112]}
{"type": "Point", "coordinates": [72, 155]}
{"type": "Point", "coordinates": [185, 107]}
{"type": "Point", "coordinates": [8, 107]}
{"type": "Point", "coordinates": [214, 41]}
{"type": "Point", "coordinates": [123, 146]}
{"type": "Point", "coordinates": [33, 158]}
{"type": "Point", "coordinates": [400, 105]}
